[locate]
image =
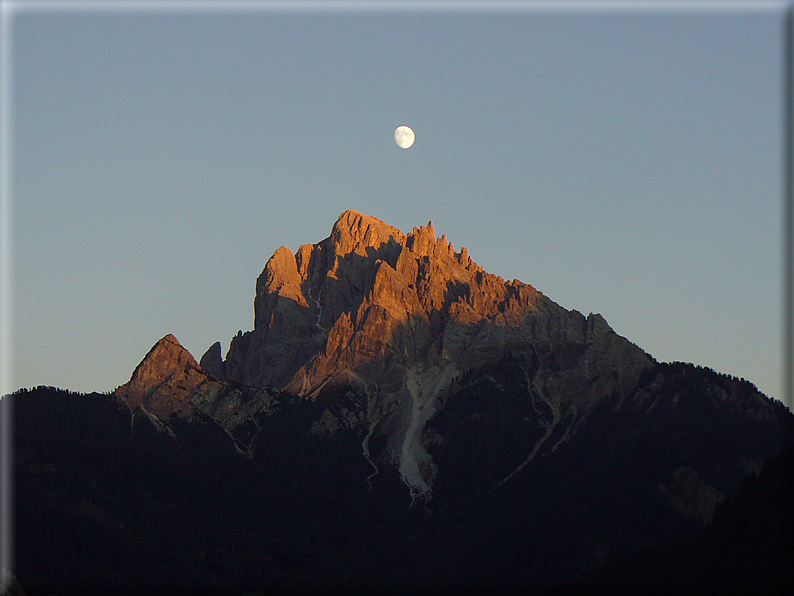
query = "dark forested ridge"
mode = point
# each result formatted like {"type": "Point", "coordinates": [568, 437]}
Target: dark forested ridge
{"type": "Point", "coordinates": [106, 502]}
{"type": "Point", "coordinates": [748, 547]}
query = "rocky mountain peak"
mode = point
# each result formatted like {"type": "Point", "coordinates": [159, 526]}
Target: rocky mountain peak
{"type": "Point", "coordinates": [509, 417]}
{"type": "Point", "coordinates": [371, 301]}
{"type": "Point", "coordinates": [399, 317]}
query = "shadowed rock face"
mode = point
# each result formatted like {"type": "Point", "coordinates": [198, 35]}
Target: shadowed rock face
{"type": "Point", "coordinates": [398, 317]}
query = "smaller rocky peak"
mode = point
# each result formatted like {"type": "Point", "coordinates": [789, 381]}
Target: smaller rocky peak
{"type": "Point", "coordinates": [302, 259]}
{"type": "Point", "coordinates": [596, 327]}
{"type": "Point", "coordinates": [282, 265]}
{"type": "Point", "coordinates": [463, 257]}
{"type": "Point", "coordinates": [466, 261]}
{"type": "Point", "coordinates": [443, 249]}
{"type": "Point", "coordinates": [355, 232]}
{"type": "Point", "coordinates": [164, 378]}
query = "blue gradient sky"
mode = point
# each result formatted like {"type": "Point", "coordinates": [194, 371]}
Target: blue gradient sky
{"type": "Point", "coordinates": [626, 163]}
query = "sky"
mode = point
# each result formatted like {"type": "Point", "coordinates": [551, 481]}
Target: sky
{"type": "Point", "coordinates": [624, 161]}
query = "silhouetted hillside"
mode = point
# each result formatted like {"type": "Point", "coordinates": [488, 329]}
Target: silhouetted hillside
{"type": "Point", "coordinates": [107, 503]}
{"type": "Point", "coordinates": [748, 547]}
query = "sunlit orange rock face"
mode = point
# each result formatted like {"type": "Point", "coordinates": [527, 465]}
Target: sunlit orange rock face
{"type": "Point", "coordinates": [365, 299]}
{"type": "Point", "coordinates": [370, 301]}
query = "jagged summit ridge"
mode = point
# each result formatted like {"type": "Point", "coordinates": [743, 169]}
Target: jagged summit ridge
{"type": "Point", "coordinates": [369, 291]}
{"type": "Point", "coordinates": [356, 232]}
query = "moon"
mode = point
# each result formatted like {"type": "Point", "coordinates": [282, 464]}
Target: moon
{"type": "Point", "coordinates": [404, 137]}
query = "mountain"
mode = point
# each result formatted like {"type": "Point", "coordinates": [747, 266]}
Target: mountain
{"type": "Point", "coordinates": [400, 318]}
{"type": "Point", "coordinates": [397, 417]}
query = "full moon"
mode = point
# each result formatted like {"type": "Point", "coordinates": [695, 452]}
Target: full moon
{"type": "Point", "coordinates": [404, 137]}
